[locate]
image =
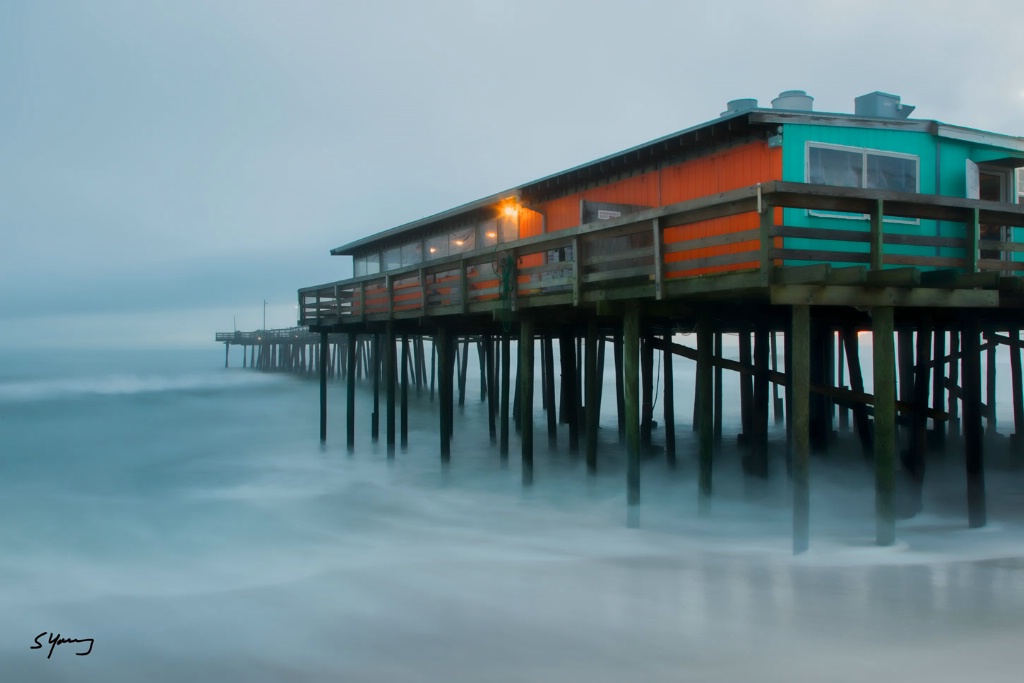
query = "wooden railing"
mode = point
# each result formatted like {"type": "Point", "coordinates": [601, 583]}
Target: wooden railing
{"type": "Point", "coordinates": [662, 253]}
{"type": "Point", "coordinates": [294, 334]}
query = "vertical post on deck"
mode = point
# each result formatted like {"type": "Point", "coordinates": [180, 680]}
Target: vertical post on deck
{"type": "Point", "coordinates": [631, 398]}
{"type": "Point", "coordinates": [391, 380]}
{"type": "Point", "coordinates": [1018, 391]}
{"type": "Point", "coordinates": [525, 372]}
{"type": "Point", "coordinates": [885, 424]}
{"type": "Point", "coordinates": [799, 340]}
{"type": "Point", "coordinates": [503, 411]}
{"type": "Point", "coordinates": [973, 435]}
{"type": "Point", "coordinates": [350, 393]}
{"type": "Point", "coordinates": [323, 386]}
{"type": "Point", "coordinates": [404, 426]}
{"type": "Point", "coordinates": [591, 381]}
{"type": "Point", "coordinates": [669, 402]}
{"type": "Point", "coordinates": [703, 403]}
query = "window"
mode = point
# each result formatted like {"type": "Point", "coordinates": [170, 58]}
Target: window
{"type": "Point", "coordinates": [1020, 185]}
{"type": "Point", "coordinates": [366, 265]}
{"type": "Point", "coordinates": [437, 247]}
{"type": "Point", "coordinates": [858, 167]}
{"type": "Point", "coordinates": [488, 233]}
{"type": "Point", "coordinates": [412, 253]}
{"type": "Point", "coordinates": [461, 240]}
{"type": "Point", "coordinates": [870, 169]}
{"type": "Point", "coordinates": [392, 258]}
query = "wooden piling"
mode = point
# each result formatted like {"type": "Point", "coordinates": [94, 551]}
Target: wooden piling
{"type": "Point", "coordinates": [914, 460]}
{"type": "Point", "coordinates": [350, 393]}
{"type": "Point", "coordinates": [445, 364]}
{"type": "Point", "coordinates": [227, 350]}
{"type": "Point", "coordinates": [861, 422]}
{"type": "Point", "coordinates": [503, 409]}
{"type": "Point", "coordinates": [592, 381]}
{"type": "Point", "coordinates": [620, 404]}
{"type": "Point", "coordinates": [972, 416]}
{"type": "Point", "coordinates": [669, 402]}
{"type": "Point", "coordinates": [525, 373]}
{"type": "Point", "coordinates": [799, 340]}
{"type": "Point", "coordinates": [719, 391]}
{"type": "Point", "coordinates": [567, 353]}
{"type": "Point", "coordinates": [646, 389]}
{"type": "Point", "coordinates": [462, 373]}
{"type": "Point", "coordinates": [954, 372]}
{"type": "Point", "coordinates": [990, 387]}
{"type": "Point", "coordinates": [323, 386]}
{"type": "Point", "coordinates": [1018, 391]}
{"type": "Point", "coordinates": [703, 402]}
{"type": "Point", "coordinates": [938, 391]}
{"type": "Point", "coordinates": [746, 388]}
{"type": "Point", "coordinates": [885, 424]}
{"type": "Point", "coordinates": [776, 399]}
{"type": "Point", "coordinates": [391, 379]}
{"type": "Point", "coordinates": [375, 415]}
{"type": "Point", "coordinates": [549, 391]}
{"type": "Point", "coordinates": [631, 399]}
{"type": "Point", "coordinates": [489, 385]}
{"type": "Point", "coordinates": [758, 458]}
{"type": "Point", "coordinates": [404, 424]}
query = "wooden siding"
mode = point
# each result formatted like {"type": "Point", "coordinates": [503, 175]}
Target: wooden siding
{"type": "Point", "coordinates": [721, 171]}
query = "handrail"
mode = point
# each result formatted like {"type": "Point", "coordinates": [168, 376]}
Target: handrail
{"type": "Point", "coordinates": [632, 251]}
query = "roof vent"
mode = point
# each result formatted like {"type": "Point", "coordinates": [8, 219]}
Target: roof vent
{"type": "Point", "coordinates": [880, 105]}
{"type": "Point", "coordinates": [737, 106]}
{"type": "Point", "coordinates": [796, 100]}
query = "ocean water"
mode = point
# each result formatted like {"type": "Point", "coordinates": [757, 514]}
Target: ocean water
{"type": "Point", "coordinates": [186, 518]}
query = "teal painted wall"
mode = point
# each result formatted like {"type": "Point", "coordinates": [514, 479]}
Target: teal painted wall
{"type": "Point", "coordinates": [942, 169]}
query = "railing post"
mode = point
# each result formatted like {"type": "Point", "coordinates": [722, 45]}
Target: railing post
{"type": "Point", "coordinates": [766, 224]}
{"type": "Point", "coordinates": [389, 284]}
{"type": "Point", "coordinates": [513, 294]}
{"type": "Point", "coordinates": [877, 219]}
{"type": "Point", "coordinates": [577, 272]}
{"type": "Point", "coordinates": [362, 301]}
{"type": "Point", "coordinates": [423, 291]}
{"type": "Point", "coordinates": [318, 307]}
{"type": "Point", "coordinates": [337, 303]}
{"type": "Point", "coordinates": [658, 274]}
{"type": "Point", "coordinates": [973, 235]}
{"type": "Point", "coordinates": [463, 285]}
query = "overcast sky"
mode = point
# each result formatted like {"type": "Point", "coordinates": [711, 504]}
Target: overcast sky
{"type": "Point", "coordinates": [167, 166]}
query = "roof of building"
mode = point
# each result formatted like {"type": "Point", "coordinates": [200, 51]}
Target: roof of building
{"type": "Point", "coordinates": [731, 125]}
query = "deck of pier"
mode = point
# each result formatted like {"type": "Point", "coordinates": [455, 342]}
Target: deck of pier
{"type": "Point", "coordinates": [946, 289]}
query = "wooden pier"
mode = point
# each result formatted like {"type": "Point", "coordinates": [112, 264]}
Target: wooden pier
{"type": "Point", "coordinates": [931, 316]}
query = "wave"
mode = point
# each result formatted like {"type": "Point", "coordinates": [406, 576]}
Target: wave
{"type": "Point", "coordinates": [126, 385]}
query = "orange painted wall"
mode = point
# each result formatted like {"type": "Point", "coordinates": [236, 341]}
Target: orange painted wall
{"type": "Point", "coordinates": [725, 170]}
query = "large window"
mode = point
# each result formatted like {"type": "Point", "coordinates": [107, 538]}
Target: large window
{"type": "Point", "coordinates": [858, 167]}
{"type": "Point", "coordinates": [871, 169]}
{"type": "Point", "coordinates": [366, 265]}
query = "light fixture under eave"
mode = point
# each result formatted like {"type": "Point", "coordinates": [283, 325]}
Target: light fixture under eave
{"type": "Point", "coordinates": [458, 243]}
{"type": "Point", "coordinates": [492, 235]}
